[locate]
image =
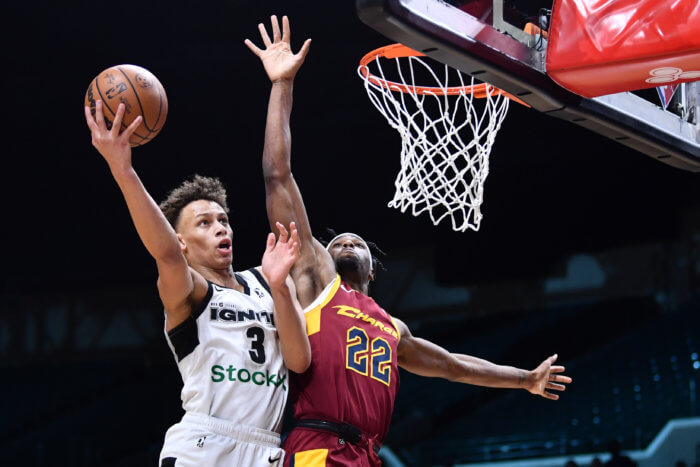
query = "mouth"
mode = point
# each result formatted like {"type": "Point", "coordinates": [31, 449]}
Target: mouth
{"type": "Point", "coordinates": [224, 247]}
{"type": "Point", "coordinates": [348, 255]}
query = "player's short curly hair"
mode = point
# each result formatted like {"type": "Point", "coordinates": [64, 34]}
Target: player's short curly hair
{"type": "Point", "coordinates": [199, 187]}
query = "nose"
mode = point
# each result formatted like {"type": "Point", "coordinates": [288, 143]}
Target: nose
{"type": "Point", "coordinates": [221, 229]}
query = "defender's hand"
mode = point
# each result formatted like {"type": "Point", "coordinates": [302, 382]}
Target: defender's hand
{"type": "Point", "coordinates": [545, 377]}
{"type": "Point", "coordinates": [113, 146]}
{"type": "Point", "coordinates": [277, 58]}
{"type": "Point", "coordinates": [281, 255]}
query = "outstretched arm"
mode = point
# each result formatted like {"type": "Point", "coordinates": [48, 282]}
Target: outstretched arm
{"type": "Point", "coordinates": [175, 283]}
{"type": "Point", "coordinates": [427, 359]}
{"type": "Point", "coordinates": [314, 269]}
{"type": "Point", "coordinates": [291, 326]}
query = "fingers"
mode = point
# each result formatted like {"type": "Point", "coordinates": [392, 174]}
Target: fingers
{"type": "Point", "coordinates": [283, 233]}
{"type": "Point", "coordinates": [560, 379]}
{"type": "Point", "coordinates": [263, 34]}
{"type": "Point", "coordinates": [546, 365]}
{"type": "Point", "coordinates": [117, 124]}
{"type": "Point", "coordinates": [304, 49]}
{"type": "Point", "coordinates": [131, 128]}
{"type": "Point", "coordinates": [296, 243]}
{"type": "Point", "coordinates": [556, 387]}
{"type": "Point", "coordinates": [549, 395]}
{"type": "Point", "coordinates": [90, 119]}
{"type": "Point", "coordinates": [253, 47]}
{"type": "Point", "coordinates": [276, 36]}
{"type": "Point", "coordinates": [295, 233]}
{"type": "Point", "coordinates": [286, 32]}
{"type": "Point", "coordinates": [294, 252]}
{"type": "Point", "coordinates": [99, 116]}
{"type": "Point", "coordinates": [270, 242]}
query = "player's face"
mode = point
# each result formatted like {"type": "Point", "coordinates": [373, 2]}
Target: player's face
{"type": "Point", "coordinates": [206, 235]}
{"type": "Point", "coordinates": [351, 253]}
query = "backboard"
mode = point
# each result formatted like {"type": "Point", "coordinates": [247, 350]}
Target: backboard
{"type": "Point", "coordinates": [486, 39]}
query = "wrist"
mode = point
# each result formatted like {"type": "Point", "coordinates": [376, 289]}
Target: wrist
{"type": "Point", "coordinates": [282, 82]}
{"type": "Point", "coordinates": [279, 288]}
{"type": "Point", "coordinates": [121, 171]}
{"type": "Point", "coordinates": [525, 379]}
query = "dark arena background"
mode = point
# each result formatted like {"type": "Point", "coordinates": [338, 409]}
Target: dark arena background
{"type": "Point", "coordinates": [587, 249]}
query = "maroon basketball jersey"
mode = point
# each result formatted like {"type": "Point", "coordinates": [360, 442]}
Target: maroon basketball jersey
{"type": "Point", "coordinates": [353, 377]}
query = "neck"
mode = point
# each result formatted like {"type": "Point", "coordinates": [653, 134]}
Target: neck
{"type": "Point", "coordinates": [356, 284]}
{"type": "Point", "coordinates": [224, 277]}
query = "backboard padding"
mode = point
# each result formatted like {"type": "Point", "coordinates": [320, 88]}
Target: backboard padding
{"type": "Point", "coordinates": [452, 36]}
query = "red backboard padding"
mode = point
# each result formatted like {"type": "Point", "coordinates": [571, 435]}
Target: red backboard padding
{"type": "Point", "coordinates": [599, 47]}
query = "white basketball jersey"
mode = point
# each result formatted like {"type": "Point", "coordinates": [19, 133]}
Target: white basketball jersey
{"type": "Point", "coordinates": [230, 357]}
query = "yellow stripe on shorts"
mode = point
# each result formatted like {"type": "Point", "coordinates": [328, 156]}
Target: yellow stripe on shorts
{"type": "Point", "coordinates": [311, 458]}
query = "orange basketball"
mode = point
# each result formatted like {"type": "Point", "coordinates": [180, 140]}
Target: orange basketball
{"type": "Point", "coordinates": [140, 92]}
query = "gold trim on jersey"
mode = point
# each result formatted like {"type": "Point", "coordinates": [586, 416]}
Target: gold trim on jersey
{"type": "Point", "coordinates": [396, 326]}
{"type": "Point", "coordinates": [313, 315]}
{"type": "Point", "coordinates": [310, 458]}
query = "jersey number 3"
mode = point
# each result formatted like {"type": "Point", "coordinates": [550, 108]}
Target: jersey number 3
{"type": "Point", "coordinates": [257, 349]}
{"type": "Point", "coordinates": [371, 359]}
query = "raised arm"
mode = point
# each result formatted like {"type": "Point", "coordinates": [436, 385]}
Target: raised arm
{"type": "Point", "coordinates": [314, 269]}
{"type": "Point", "coordinates": [175, 283]}
{"type": "Point", "coordinates": [427, 359]}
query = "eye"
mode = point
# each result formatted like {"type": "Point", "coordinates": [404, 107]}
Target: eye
{"type": "Point", "coordinates": [203, 222]}
{"type": "Point", "coordinates": [223, 221]}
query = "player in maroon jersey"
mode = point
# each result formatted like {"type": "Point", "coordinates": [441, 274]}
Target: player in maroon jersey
{"type": "Point", "coordinates": [343, 402]}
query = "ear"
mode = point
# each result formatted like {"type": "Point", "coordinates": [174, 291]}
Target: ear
{"type": "Point", "coordinates": [183, 245]}
{"type": "Point", "coordinates": [371, 274]}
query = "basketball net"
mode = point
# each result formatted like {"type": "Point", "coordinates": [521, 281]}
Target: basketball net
{"type": "Point", "coordinates": [446, 138]}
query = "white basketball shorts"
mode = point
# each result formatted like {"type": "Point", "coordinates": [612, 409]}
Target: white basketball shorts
{"type": "Point", "coordinates": [202, 441]}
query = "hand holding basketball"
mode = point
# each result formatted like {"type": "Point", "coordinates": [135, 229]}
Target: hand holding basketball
{"type": "Point", "coordinates": [141, 94]}
{"type": "Point", "coordinates": [112, 144]}
{"type": "Point", "coordinates": [278, 59]}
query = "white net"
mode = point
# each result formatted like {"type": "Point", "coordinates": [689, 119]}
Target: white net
{"type": "Point", "coordinates": [446, 134]}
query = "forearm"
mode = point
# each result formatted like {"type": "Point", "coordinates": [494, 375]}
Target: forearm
{"type": "Point", "coordinates": [153, 228]}
{"type": "Point", "coordinates": [425, 358]}
{"type": "Point", "coordinates": [291, 329]}
{"type": "Point", "coordinates": [473, 370]}
{"type": "Point", "coordinates": [278, 138]}
{"type": "Point", "coordinates": [284, 202]}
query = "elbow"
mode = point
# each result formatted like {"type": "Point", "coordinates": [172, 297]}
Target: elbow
{"type": "Point", "coordinates": [300, 363]}
{"type": "Point", "coordinates": [169, 255]}
{"type": "Point", "coordinates": [276, 173]}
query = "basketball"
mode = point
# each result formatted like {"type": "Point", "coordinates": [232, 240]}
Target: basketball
{"type": "Point", "coordinates": [140, 92]}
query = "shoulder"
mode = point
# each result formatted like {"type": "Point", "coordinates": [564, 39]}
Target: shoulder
{"type": "Point", "coordinates": [257, 273]}
{"type": "Point", "coordinates": [401, 326]}
{"type": "Point", "coordinates": [312, 273]}
{"type": "Point", "coordinates": [257, 270]}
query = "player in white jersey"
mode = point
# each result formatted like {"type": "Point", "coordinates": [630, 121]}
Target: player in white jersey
{"type": "Point", "coordinates": [231, 364]}
{"type": "Point", "coordinates": [231, 347]}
